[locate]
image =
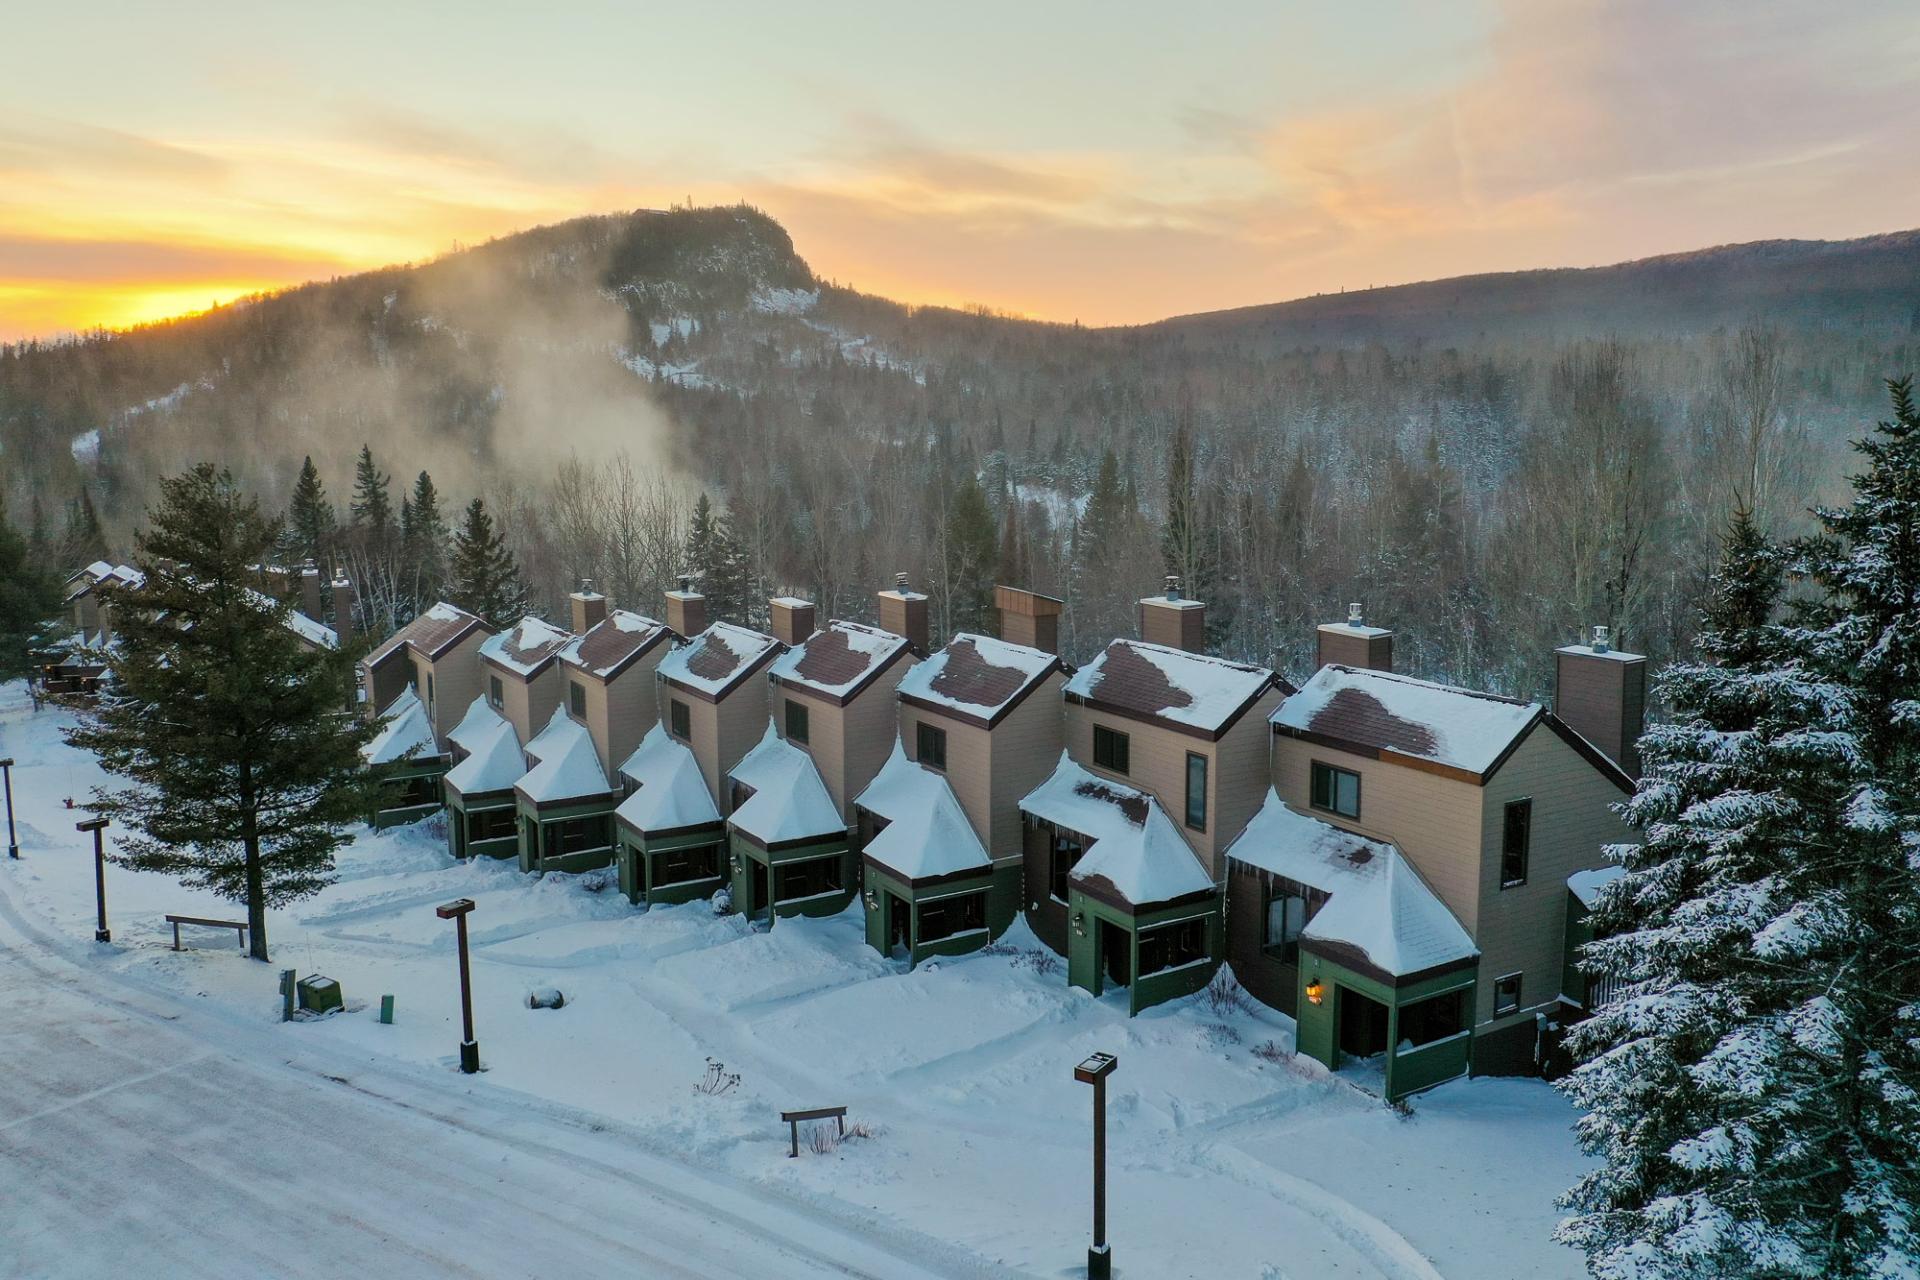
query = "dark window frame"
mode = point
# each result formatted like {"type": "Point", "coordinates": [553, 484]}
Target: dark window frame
{"type": "Point", "coordinates": [1332, 773]}
{"type": "Point", "coordinates": [827, 870]}
{"type": "Point", "coordinates": [577, 700]}
{"type": "Point", "coordinates": [1500, 1010]}
{"type": "Point", "coordinates": [951, 914]}
{"type": "Point", "coordinates": [679, 720]}
{"type": "Point", "coordinates": [1434, 1018]}
{"type": "Point", "coordinates": [1516, 842]}
{"type": "Point", "coordinates": [796, 720]}
{"type": "Point", "coordinates": [496, 693]}
{"type": "Point", "coordinates": [1161, 947]}
{"type": "Point", "coordinates": [1065, 848]}
{"type": "Point", "coordinates": [485, 824]}
{"type": "Point", "coordinates": [686, 865]}
{"type": "Point", "coordinates": [1287, 949]}
{"type": "Point", "coordinates": [578, 835]}
{"type": "Point", "coordinates": [1112, 750]}
{"type": "Point", "coordinates": [1199, 823]}
{"type": "Point", "coordinates": [930, 745]}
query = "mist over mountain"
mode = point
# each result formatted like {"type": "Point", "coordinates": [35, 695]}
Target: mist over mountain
{"type": "Point", "coordinates": [1450, 452]}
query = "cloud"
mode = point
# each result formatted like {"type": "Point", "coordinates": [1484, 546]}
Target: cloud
{"type": "Point", "coordinates": [36, 145]}
{"type": "Point", "coordinates": [37, 258]}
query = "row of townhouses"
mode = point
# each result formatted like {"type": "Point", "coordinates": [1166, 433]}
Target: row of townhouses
{"type": "Point", "coordinates": [1401, 866]}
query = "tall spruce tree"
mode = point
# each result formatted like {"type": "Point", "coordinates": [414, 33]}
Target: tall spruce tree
{"type": "Point", "coordinates": [238, 758]}
{"type": "Point", "coordinates": [715, 556]}
{"type": "Point", "coordinates": [371, 512]}
{"type": "Point", "coordinates": [423, 538]}
{"type": "Point", "coordinates": [482, 578]}
{"type": "Point", "coordinates": [309, 528]}
{"type": "Point", "coordinates": [83, 542]}
{"type": "Point", "coordinates": [1753, 1087]}
{"type": "Point", "coordinates": [29, 599]}
{"type": "Point", "coordinates": [970, 546]}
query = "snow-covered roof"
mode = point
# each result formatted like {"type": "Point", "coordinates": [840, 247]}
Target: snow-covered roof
{"type": "Point", "coordinates": [475, 725]}
{"type": "Point", "coordinates": [1137, 853]}
{"type": "Point", "coordinates": [430, 633]}
{"type": "Point", "coordinates": [977, 675]}
{"type": "Point", "coordinates": [1586, 885]}
{"type": "Point", "coordinates": [1192, 689]}
{"type": "Point", "coordinates": [126, 576]}
{"type": "Point", "coordinates": [1356, 630]}
{"type": "Point", "coordinates": [1377, 905]}
{"type": "Point", "coordinates": [317, 634]}
{"type": "Point", "coordinates": [1408, 717]}
{"type": "Point", "coordinates": [494, 761]}
{"type": "Point", "coordinates": [526, 647]}
{"type": "Point", "coordinates": [406, 732]}
{"type": "Point", "coordinates": [568, 765]}
{"type": "Point", "coordinates": [608, 644]}
{"type": "Point", "coordinates": [673, 793]}
{"type": "Point", "coordinates": [837, 659]}
{"type": "Point", "coordinates": [715, 660]}
{"type": "Point", "coordinates": [927, 832]}
{"type": "Point", "coordinates": [789, 801]}
{"type": "Point", "coordinates": [99, 572]}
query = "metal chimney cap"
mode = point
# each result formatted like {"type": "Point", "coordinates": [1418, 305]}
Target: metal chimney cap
{"type": "Point", "coordinates": [1600, 641]}
{"type": "Point", "coordinates": [1354, 614]}
{"type": "Point", "coordinates": [686, 582]}
{"type": "Point", "coordinates": [586, 586]}
{"type": "Point", "coordinates": [1173, 586]}
{"type": "Point", "coordinates": [899, 582]}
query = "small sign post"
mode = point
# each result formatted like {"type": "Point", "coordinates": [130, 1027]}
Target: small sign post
{"type": "Point", "coordinates": [1094, 1071]}
{"type": "Point", "coordinates": [98, 825]}
{"type": "Point", "coordinates": [6, 776]}
{"type": "Point", "coordinates": [456, 911]}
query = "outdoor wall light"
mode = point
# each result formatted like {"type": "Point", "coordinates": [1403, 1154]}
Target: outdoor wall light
{"type": "Point", "coordinates": [1080, 923]}
{"type": "Point", "coordinates": [734, 862]}
{"type": "Point", "coordinates": [873, 903]}
{"type": "Point", "coordinates": [1316, 992]}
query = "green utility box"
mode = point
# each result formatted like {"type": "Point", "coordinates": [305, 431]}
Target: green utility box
{"type": "Point", "coordinates": [320, 995]}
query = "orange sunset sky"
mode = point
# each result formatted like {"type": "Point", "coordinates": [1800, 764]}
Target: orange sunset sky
{"type": "Point", "coordinates": [1102, 162]}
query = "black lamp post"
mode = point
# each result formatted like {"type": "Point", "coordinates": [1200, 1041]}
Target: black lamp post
{"type": "Point", "coordinates": [1094, 1071]}
{"type": "Point", "coordinates": [6, 775]}
{"type": "Point", "coordinates": [98, 826]}
{"type": "Point", "coordinates": [456, 911]}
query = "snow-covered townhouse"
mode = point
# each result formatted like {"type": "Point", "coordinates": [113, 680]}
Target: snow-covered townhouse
{"type": "Point", "coordinates": [712, 703]}
{"type": "Point", "coordinates": [1166, 760]}
{"type": "Point", "coordinates": [1404, 890]}
{"type": "Point", "coordinates": [486, 758]}
{"type": "Point", "coordinates": [438, 655]}
{"type": "Point", "coordinates": [791, 799]}
{"type": "Point", "coordinates": [608, 667]}
{"type": "Point", "coordinates": [938, 830]}
{"type": "Point", "coordinates": [520, 673]}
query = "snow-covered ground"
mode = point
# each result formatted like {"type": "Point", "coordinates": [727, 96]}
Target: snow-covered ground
{"type": "Point", "coordinates": [1227, 1157]}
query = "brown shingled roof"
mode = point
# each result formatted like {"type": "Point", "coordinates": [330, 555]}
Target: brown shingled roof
{"type": "Point", "coordinates": [968, 677]}
{"type": "Point", "coordinates": [715, 660]}
{"type": "Point", "coordinates": [430, 633]}
{"type": "Point", "coordinates": [1131, 804]}
{"type": "Point", "coordinates": [1131, 682]}
{"type": "Point", "coordinates": [607, 645]}
{"type": "Point", "coordinates": [1355, 715]}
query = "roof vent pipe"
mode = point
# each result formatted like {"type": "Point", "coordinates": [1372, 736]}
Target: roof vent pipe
{"type": "Point", "coordinates": [686, 582]}
{"type": "Point", "coordinates": [899, 582]}
{"type": "Point", "coordinates": [1354, 614]}
{"type": "Point", "coordinates": [1600, 642]}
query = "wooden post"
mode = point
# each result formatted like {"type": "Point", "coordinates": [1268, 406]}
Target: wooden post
{"type": "Point", "coordinates": [1094, 1071]}
{"type": "Point", "coordinates": [456, 911]}
{"type": "Point", "coordinates": [6, 775]}
{"type": "Point", "coordinates": [98, 826]}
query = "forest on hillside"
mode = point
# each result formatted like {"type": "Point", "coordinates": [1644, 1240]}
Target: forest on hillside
{"type": "Point", "coordinates": [1488, 489]}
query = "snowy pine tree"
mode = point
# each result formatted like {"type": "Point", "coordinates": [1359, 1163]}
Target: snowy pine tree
{"type": "Point", "coordinates": [482, 578]}
{"type": "Point", "coordinates": [423, 545]}
{"type": "Point", "coordinates": [1752, 1085]}
{"type": "Point", "coordinates": [309, 526]}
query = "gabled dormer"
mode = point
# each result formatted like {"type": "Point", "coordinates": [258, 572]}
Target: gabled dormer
{"type": "Point", "coordinates": [713, 697]}
{"type": "Point", "coordinates": [609, 673]}
{"type": "Point", "coordinates": [834, 699]}
{"type": "Point", "coordinates": [521, 673]}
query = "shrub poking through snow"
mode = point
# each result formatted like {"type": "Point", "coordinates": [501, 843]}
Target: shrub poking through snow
{"type": "Point", "coordinates": [825, 1138]}
{"type": "Point", "coordinates": [722, 901]}
{"type": "Point", "coordinates": [717, 1080]}
{"type": "Point", "coordinates": [596, 881]}
{"type": "Point", "coordinates": [546, 998]}
{"type": "Point", "coordinates": [1043, 963]}
{"type": "Point", "coordinates": [1225, 996]}
{"type": "Point", "coordinates": [1270, 1051]}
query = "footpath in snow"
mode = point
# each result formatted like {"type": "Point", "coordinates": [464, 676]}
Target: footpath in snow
{"type": "Point", "coordinates": [1226, 1156]}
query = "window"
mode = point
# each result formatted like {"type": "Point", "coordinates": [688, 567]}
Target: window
{"type": "Point", "coordinates": [1168, 946]}
{"type": "Point", "coordinates": [1290, 905]}
{"type": "Point", "coordinates": [679, 866]}
{"type": "Point", "coordinates": [1434, 1018]}
{"type": "Point", "coordinates": [408, 793]}
{"type": "Point", "coordinates": [1109, 748]}
{"type": "Point", "coordinates": [1068, 847]}
{"type": "Point", "coordinates": [680, 720]}
{"type": "Point", "coordinates": [1506, 995]}
{"type": "Point", "coordinates": [1335, 790]}
{"type": "Point", "coordinates": [1516, 835]}
{"type": "Point", "coordinates": [496, 694]}
{"type": "Point", "coordinates": [577, 699]}
{"type": "Point", "coordinates": [930, 746]}
{"type": "Point", "coordinates": [808, 879]}
{"type": "Point", "coordinates": [490, 824]}
{"type": "Point", "coordinates": [1196, 791]}
{"type": "Point", "coordinates": [958, 913]}
{"type": "Point", "coordinates": [576, 835]}
{"type": "Point", "coordinates": [796, 721]}
{"type": "Point", "coordinates": [429, 688]}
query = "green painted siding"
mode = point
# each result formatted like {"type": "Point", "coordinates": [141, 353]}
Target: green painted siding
{"type": "Point", "coordinates": [884, 894]}
{"type": "Point", "coordinates": [394, 781]}
{"type": "Point", "coordinates": [634, 856]}
{"type": "Point", "coordinates": [1408, 1070]}
{"type": "Point", "coordinates": [744, 855]}
{"type": "Point", "coordinates": [1088, 963]}
{"type": "Point", "coordinates": [538, 837]}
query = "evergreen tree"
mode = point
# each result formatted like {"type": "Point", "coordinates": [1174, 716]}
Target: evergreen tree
{"type": "Point", "coordinates": [1190, 541]}
{"type": "Point", "coordinates": [371, 510]}
{"type": "Point", "coordinates": [423, 538]}
{"type": "Point", "coordinates": [1013, 548]}
{"type": "Point", "coordinates": [970, 547]}
{"type": "Point", "coordinates": [1754, 1085]}
{"type": "Point", "coordinates": [238, 759]}
{"type": "Point", "coordinates": [29, 599]}
{"type": "Point", "coordinates": [714, 555]}
{"type": "Point", "coordinates": [83, 542]}
{"type": "Point", "coordinates": [309, 528]}
{"type": "Point", "coordinates": [483, 578]}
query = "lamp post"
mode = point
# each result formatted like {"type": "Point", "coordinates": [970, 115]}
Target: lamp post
{"type": "Point", "coordinates": [456, 911]}
{"type": "Point", "coordinates": [98, 826]}
{"type": "Point", "coordinates": [6, 775]}
{"type": "Point", "coordinates": [1094, 1071]}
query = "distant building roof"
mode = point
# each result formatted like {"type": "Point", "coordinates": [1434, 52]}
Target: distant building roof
{"type": "Point", "coordinates": [610, 644]}
{"type": "Point", "coordinates": [838, 660]}
{"type": "Point", "coordinates": [431, 634]}
{"type": "Point", "coordinates": [927, 835]}
{"type": "Point", "coordinates": [789, 801]}
{"type": "Point", "coordinates": [526, 647]}
{"type": "Point", "coordinates": [1137, 855]}
{"type": "Point", "coordinates": [1192, 690]}
{"type": "Point", "coordinates": [717, 659]}
{"type": "Point", "coordinates": [672, 793]}
{"type": "Point", "coordinates": [406, 733]}
{"type": "Point", "coordinates": [1379, 913]}
{"type": "Point", "coordinates": [978, 676]}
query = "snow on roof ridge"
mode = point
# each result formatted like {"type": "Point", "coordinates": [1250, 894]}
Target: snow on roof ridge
{"type": "Point", "coordinates": [1465, 728]}
{"type": "Point", "coordinates": [494, 761]}
{"type": "Point", "coordinates": [1209, 689]}
{"type": "Point", "coordinates": [672, 791]}
{"type": "Point", "coordinates": [927, 832]}
{"type": "Point", "coordinates": [865, 647]}
{"type": "Point", "coordinates": [477, 722]}
{"type": "Point", "coordinates": [405, 732]}
{"type": "Point", "coordinates": [789, 800]}
{"type": "Point", "coordinates": [568, 763]}
{"type": "Point", "coordinates": [1136, 849]}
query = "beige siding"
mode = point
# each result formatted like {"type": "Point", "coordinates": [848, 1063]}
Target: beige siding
{"type": "Point", "coordinates": [1237, 779]}
{"type": "Point", "coordinates": [1433, 819]}
{"type": "Point", "coordinates": [1026, 748]}
{"type": "Point", "coordinates": [527, 705]}
{"type": "Point", "coordinates": [456, 681]}
{"type": "Point", "coordinates": [738, 723]}
{"type": "Point", "coordinates": [620, 711]}
{"type": "Point", "coordinates": [969, 767]}
{"type": "Point", "coordinates": [868, 728]}
{"type": "Point", "coordinates": [826, 736]}
{"type": "Point", "coordinates": [1523, 929]}
{"type": "Point", "coordinates": [1157, 763]}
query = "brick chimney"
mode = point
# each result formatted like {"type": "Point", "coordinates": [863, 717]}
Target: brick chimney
{"type": "Point", "coordinates": [1173, 620]}
{"type": "Point", "coordinates": [792, 619]}
{"type": "Point", "coordinates": [903, 611]}
{"type": "Point", "coordinates": [1029, 618]}
{"type": "Point", "coordinates": [310, 592]}
{"type": "Point", "coordinates": [342, 607]}
{"type": "Point", "coordinates": [1601, 693]}
{"type": "Point", "coordinates": [1355, 644]}
{"type": "Point", "coordinates": [686, 610]}
{"type": "Point", "coordinates": [589, 607]}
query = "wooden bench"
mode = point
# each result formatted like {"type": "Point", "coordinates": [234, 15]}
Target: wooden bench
{"type": "Point", "coordinates": [793, 1119]}
{"type": "Point", "coordinates": [177, 921]}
